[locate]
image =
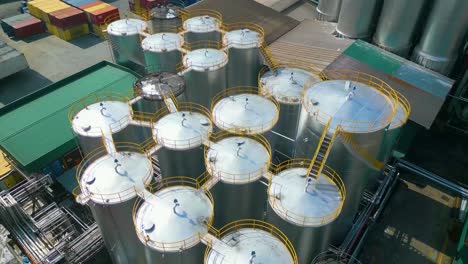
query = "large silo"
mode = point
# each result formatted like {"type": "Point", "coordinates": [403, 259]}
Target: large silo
{"type": "Point", "coordinates": [285, 84]}
{"type": "Point", "coordinates": [392, 133]}
{"type": "Point", "coordinates": [238, 163]}
{"type": "Point", "coordinates": [328, 10]}
{"type": "Point", "coordinates": [182, 135]}
{"type": "Point", "coordinates": [398, 24]}
{"type": "Point", "coordinates": [107, 182]}
{"type": "Point", "coordinates": [153, 88]}
{"type": "Point", "coordinates": [202, 25]}
{"type": "Point", "coordinates": [166, 15]}
{"type": "Point", "coordinates": [245, 60]}
{"type": "Point", "coordinates": [355, 23]}
{"type": "Point", "coordinates": [303, 206]}
{"type": "Point", "coordinates": [205, 72]}
{"type": "Point", "coordinates": [124, 37]}
{"type": "Point", "coordinates": [443, 37]}
{"type": "Point", "coordinates": [102, 117]}
{"type": "Point", "coordinates": [357, 108]}
{"type": "Point", "coordinates": [241, 110]}
{"type": "Point", "coordinates": [250, 241]}
{"type": "Point", "coordinates": [172, 219]}
{"type": "Point", "coordinates": [162, 52]}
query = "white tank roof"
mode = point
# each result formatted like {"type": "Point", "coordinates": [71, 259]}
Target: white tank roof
{"type": "Point", "coordinates": [249, 113]}
{"type": "Point", "coordinates": [153, 86]}
{"type": "Point", "coordinates": [237, 160]}
{"type": "Point", "coordinates": [171, 228]}
{"type": "Point", "coordinates": [201, 24]}
{"type": "Point", "coordinates": [358, 111]}
{"type": "Point", "coordinates": [249, 244]}
{"type": "Point", "coordinates": [182, 130]}
{"type": "Point", "coordinates": [286, 84]}
{"type": "Point", "coordinates": [101, 117]}
{"type": "Point", "coordinates": [289, 200]}
{"type": "Point", "coordinates": [162, 42]}
{"type": "Point", "coordinates": [112, 179]}
{"type": "Point", "coordinates": [242, 38]}
{"type": "Point", "coordinates": [205, 59]}
{"type": "Point", "coordinates": [127, 26]}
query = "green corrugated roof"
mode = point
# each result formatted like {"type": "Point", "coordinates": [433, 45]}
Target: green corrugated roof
{"type": "Point", "coordinates": [372, 56]}
{"type": "Point", "coordinates": [35, 130]}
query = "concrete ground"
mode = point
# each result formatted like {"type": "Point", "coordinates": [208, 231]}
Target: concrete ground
{"type": "Point", "coordinates": [50, 59]}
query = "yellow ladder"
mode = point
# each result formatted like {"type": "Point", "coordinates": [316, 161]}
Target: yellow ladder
{"type": "Point", "coordinates": [170, 101]}
{"type": "Point", "coordinates": [322, 151]}
{"type": "Point", "coordinates": [265, 50]}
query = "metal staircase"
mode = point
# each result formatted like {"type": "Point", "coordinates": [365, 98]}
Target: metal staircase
{"type": "Point", "coordinates": [322, 151]}
{"type": "Point", "coordinates": [267, 56]}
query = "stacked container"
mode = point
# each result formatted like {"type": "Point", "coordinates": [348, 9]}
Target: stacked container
{"type": "Point", "coordinates": [100, 14]}
{"type": "Point", "coordinates": [22, 26]}
{"type": "Point", "coordinates": [61, 19]}
{"type": "Point", "coordinates": [68, 23]}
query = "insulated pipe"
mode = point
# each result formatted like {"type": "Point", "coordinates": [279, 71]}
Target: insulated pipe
{"type": "Point", "coordinates": [403, 164]}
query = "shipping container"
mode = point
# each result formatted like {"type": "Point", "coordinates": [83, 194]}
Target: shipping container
{"type": "Point", "coordinates": [28, 28]}
{"type": "Point", "coordinates": [67, 18]}
{"type": "Point", "coordinates": [69, 33]}
{"type": "Point", "coordinates": [91, 4]}
{"type": "Point", "coordinates": [104, 15]}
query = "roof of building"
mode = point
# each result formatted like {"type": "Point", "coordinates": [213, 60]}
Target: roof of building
{"type": "Point", "coordinates": [36, 130]}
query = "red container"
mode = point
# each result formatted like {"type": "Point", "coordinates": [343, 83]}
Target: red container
{"type": "Point", "coordinates": [88, 5]}
{"type": "Point", "coordinates": [28, 28]}
{"type": "Point", "coordinates": [68, 18]}
{"type": "Point", "coordinates": [106, 14]}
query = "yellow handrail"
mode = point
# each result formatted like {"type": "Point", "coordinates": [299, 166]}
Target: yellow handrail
{"type": "Point", "coordinates": [299, 218]}
{"type": "Point", "coordinates": [164, 183]}
{"type": "Point", "coordinates": [317, 150]}
{"type": "Point", "coordinates": [256, 225]}
{"type": "Point", "coordinates": [355, 126]}
{"type": "Point", "coordinates": [347, 138]}
{"type": "Point", "coordinates": [238, 178]}
{"type": "Point", "coordinates": [238, 90]}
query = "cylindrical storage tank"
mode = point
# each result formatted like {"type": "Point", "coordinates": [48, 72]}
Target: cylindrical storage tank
{"type": "Point", "coordinates": [182, 135]}
{"type": "Point", "coordinates": [442, 39]}
{"type": "Point", "coordinates": [328, 10]}
{"type": "Point", "coordinates": [245, 60]}
{"type": "Point", "coordinates": [101, 117]}
{"type": "Point", "coordinates": [303, 207]}
{"type": "Point", "coordinates": [166, 16]}
{"type": "Point", "coordinates": [154, 87]}
{"type": "Point", "coordinates": [357, 18]}
{"type": "Point", "coordinates": [241, 110]}
{"type": "Point", "coordinates": [124, 38]}
{"type": "Point", "coordinates": [250, 241]}
{"type": "Point", "coordinates": [392, 133]}
{"type": "Point", "coordinates": [359, 108]}
{"type": "Point", "coordinates": [238, 163]}
{"type": "Point", "coordinates": [171, 221]}
{"type": "Point", "coordinates": [108, 182]}
{"type": "Point", "coordinates": [285, 84]}
{"type": "Point", "coordinates": [205, 74]}
{"type": "Point", "coordinates": [162, 52]}
{"type": "Point", "coordinates": [202, 25]}
{"type": "Point", "coordinates": [398, 23]}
